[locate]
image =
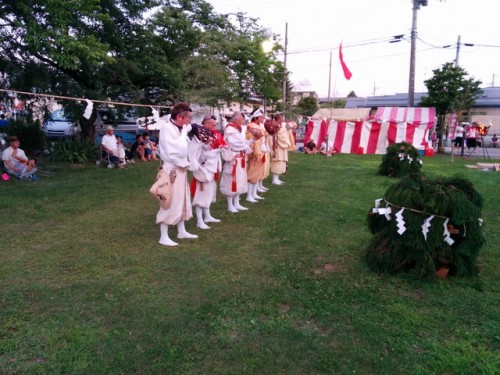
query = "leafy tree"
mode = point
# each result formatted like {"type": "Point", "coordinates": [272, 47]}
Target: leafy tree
{"type": "Point", "coordinates": [307, 106]}
{"type": "Point", "coordinates": [107, 49]}
{"type": "Point", "coordinates": [450, 90]}
{"type": "Point", "coordinates": [352, 94]}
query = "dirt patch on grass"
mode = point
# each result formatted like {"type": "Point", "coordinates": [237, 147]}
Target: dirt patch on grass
{"type": "Point", "coordinates": [329, 268]}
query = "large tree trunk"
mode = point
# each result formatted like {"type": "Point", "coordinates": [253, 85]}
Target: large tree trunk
{"type": "Point", "coordinates": [440, 130]}
{"type": "Point", "coordinates": [88, 126]}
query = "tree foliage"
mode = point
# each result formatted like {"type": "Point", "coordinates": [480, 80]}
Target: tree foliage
{"type": "Point", "coordinates": [450, 90]}
{"type": "Point", "coordinates": [307, 106]}
{"type": "Point", "coordinates": [153, 51]}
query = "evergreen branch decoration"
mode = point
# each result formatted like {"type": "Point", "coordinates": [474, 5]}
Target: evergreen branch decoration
{"type": "Point", "coordinates": [411, 243]}
{"type": "Point", "coordinates": [399, 160]}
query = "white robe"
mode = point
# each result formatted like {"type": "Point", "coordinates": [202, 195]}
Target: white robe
{"type": "Point", "coordinates": [205, 163]}
{"type": "Point", "coordinates": [234, 173]}
{"type": "Point", "coordinates": [174, 154]}
{"type": "Point", "coordinates": [280, 154]}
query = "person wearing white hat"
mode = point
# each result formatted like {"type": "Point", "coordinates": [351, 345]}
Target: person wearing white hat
{"type": "Point", "coordinates": [174, 155]}
{"type": "Point", "coordinates": [256, 161]}
{"type": "Point", "coordinates": [234, 171]}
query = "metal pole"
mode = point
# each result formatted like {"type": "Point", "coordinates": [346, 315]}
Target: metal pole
{"type": "Point", "coordinates": [285, 78]}
{"type": "Point", "coordinates": [411, 85]}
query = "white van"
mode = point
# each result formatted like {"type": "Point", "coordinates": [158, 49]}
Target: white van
{"type": "Point", "coordinates": [59, 126]}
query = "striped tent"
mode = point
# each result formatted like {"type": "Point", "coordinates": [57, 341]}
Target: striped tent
{"type": "Point", "coordinates": [372, 136]}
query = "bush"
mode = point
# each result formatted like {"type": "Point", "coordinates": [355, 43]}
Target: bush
{"type": "Point", "coordinates": [450, 201]}
{"type": "Point", "coordinates": [72, 150]}
{"type": "Point", "coordinates": [400, 160]}
{"type": "Point", "coordinates": [29, 132]}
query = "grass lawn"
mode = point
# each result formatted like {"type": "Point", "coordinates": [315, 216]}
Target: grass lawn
{"type": "Point", "coordinates": [283, 288]}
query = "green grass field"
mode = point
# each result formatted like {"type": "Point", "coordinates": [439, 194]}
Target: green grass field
{"type": "Point", "coordinates": [283, 288]}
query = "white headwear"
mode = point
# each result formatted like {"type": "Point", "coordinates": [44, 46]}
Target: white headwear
{"type": "Point", "coordinates": [257, 113]}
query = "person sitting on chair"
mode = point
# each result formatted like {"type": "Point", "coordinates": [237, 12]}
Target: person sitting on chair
{"type": "Point", "coordinates": [109, 146]}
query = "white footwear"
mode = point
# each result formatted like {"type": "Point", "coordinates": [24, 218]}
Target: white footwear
{"type": "Point", "coordinates": [165, 239]}
{"type": "Point", "coordinates": [251, 194]}
{"type": "Point", "coordinates": [182, 233]}
{"type": "Point", "coordinates": [209, 218]}
{"type": "Point", "coordinates": [199, 218]}
{"type": "Point", "coordinates": [261, 188]}
{"type": "Point", "coordinates": [276, 179]}
{"type": "Point", "coordinates": [230, 205]}
{"type": "Point", "coordinates": [254, 193]}
{"type": "Point", "coordinates": [237, 204]}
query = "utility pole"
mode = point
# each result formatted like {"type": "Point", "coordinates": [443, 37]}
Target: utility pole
{"type": "Point", "coordinates": [411, 85]}
{"type": "Point", "coordinates": [285, 78]}
{"type": "Point", "coordinates": [329, 77]}
{"type": "Point", "coordinates": [458, 52]}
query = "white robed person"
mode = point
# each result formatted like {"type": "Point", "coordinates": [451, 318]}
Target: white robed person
{"type": "Point", "coordinates": [234, 172]}
{"type": "Point", "coordinates": [204, 156]}
{"type": "Point", "coordinates": [281, 144]}
{"type": "Point", "coordinates": [174, 155]}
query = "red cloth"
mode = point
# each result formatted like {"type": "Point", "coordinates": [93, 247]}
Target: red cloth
{"type": "Point", "coordinates": [192, 186]}
{"type": "Point", "coordinates": [347, 72]}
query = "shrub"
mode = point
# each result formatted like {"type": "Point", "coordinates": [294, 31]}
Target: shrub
{"type": "Point", "coordinates": [29, 132]}
{"type": "Point", "coordinates": [400, 160]}
{"type": "Point", "coordinates": [425, 207]}
{"type": "Point", "coordinates": [72, 150]}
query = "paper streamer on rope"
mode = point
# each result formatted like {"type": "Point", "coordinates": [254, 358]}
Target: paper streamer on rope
{"type": "Point", "coordinates": [400, 221]}
{"type": "Point", "coordinates": [156, 115]}
{"type": "Point", "coordinates": [446, 234]}
{"type": "Point", "coordinates": [88, 109]}
{"type": "Point", "coordinates": [377, 205]}
{"type": "Point", "coordinates": [480, 222]}
{"type": "Point", "coordinates": [384, 211]}
{"type": "Point", "coordinates": [426, 225]}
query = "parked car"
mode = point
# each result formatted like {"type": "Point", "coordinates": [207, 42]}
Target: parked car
{"type": "Point", "coordinates": [59, 125]}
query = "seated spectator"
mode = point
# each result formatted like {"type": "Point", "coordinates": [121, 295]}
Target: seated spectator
{"type": "Point", "coordinates": [150, 148]}
{"type": "Point", "coordinates": [310, 147]}
{"type": "Point", "coordinates": [323, 149]}
{"type": "Point", "coordinates": [3, 121]}
{"type": "Point", "coordinates": [16, 163]}
{"type": "Point", "coordinates": [137, 149]}
{"type": "Point", "coordinates": [109, 146]}
{"type": "Point", "coordinates": [494, 141]}
{"type": "Point", "coordinates": [122, 152]}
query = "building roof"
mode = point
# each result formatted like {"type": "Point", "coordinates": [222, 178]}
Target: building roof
{"type": "Point", "coordinates": [489, 98]}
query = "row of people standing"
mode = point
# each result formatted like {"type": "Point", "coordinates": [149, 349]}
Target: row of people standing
{"type": "Point", "coordinates": [243, 155]}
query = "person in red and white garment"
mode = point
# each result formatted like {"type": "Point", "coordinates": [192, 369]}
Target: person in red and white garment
{"type": "Point", "coordinates": [234, 172]}
{"type": "Point", "coordinates": [281, 144]}
{"type": "Point", "coordinates": [266, 145]}
{"type": "Point", "coordinates": [257, 160]}
{"type": "Point", "coordinates": [206, 165]}
{"type": "Point", "coordinates": [173, 153]}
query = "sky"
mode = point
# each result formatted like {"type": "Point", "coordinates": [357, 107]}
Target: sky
{"type": "Point", "coordinates": [317, 27]}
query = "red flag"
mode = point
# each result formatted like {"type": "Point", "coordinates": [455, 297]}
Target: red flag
{"type": "Point", "coordinates": [347, 72]}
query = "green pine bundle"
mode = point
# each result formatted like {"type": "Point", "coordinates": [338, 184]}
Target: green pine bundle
{"type": "Point", "coordinates": [399, 160]}
{"type": "Point", "coordinates": [454, 198]}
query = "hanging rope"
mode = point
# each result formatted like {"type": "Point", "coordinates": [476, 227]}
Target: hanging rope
{"type": "Point", "coordinates": [83, 99]}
